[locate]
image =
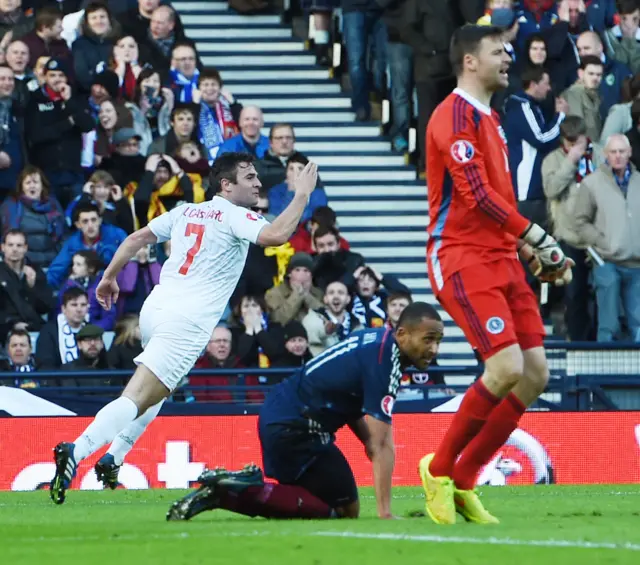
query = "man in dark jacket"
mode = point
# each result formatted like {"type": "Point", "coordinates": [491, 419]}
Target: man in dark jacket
{"type": "Point", "coordinates": [55, 121]}
{"type": "Point", "coordinates": [296, 348]}
{"type": "Point", "coordinates": [92, 355]}
{"type": "Point", "coordinates": [161, 37]}
{"type": "Point", "coordinates": [331, 262]}
{"type": "Point", "coordinates": [137, 21]}
{"type": "Point", "coordinates": [46, 38]}
{"type": "Point", "coordinates": [24, 294]}
{"type": "Point", "coordinates": [12, 148]}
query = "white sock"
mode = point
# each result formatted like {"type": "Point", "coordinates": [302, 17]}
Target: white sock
{"type": "Point", "coordinates": [126, 438]}
{"type": "Point", "coordinates": [113, 418]}
{"type": "Point", "coordinates": [321, 37]}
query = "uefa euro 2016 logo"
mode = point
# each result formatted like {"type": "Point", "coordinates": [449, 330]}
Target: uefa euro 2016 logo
{"type": "Point", "coordinates": [462, 151]}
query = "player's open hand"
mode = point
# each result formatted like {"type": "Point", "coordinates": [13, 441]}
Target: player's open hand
{"type": "Point", "coordinates": [307, 179]}
{"type": "Point", "coordinates": [107, 293]}
{"type": "Point", "coordinates": [558, 277]}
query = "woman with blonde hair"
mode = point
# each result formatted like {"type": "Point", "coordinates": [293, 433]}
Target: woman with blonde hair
{"type": "Point", "coordinates": [127, 344]}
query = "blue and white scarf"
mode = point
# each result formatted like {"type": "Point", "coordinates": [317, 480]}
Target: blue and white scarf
{"type": "Point", "coordinates": [216, 124]}
{"type": "Point", "coordinates": [187, 86]}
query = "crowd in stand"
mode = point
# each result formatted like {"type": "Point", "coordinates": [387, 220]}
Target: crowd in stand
{"type": "Point", "coordinates": [108, 119]}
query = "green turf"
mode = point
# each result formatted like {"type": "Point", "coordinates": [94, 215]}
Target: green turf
{"type": "Point", "coordinates": [128, 527]}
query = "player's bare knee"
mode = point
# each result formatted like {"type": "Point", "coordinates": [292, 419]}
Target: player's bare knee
{"type": "Point", "coordinates": [536, 370]}
{"type": "Point", "coordinates": [351, 510]}
{"type": "Point", "coordinates": [504, 370]}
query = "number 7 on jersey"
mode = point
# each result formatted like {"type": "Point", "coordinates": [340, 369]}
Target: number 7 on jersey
{"type": "Point", "coordinates": [198, 230]}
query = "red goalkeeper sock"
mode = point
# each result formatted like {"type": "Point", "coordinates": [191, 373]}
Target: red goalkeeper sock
{"type": "Point", "coordinates": [276, 501]}
{"type": "Point", "coordinates": [477, 404]}
{"type": "Point", "coordinates": [503, 420]}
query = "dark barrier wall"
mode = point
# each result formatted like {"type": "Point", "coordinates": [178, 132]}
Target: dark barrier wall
{"type": "Point", "coordinates": [566, 448]}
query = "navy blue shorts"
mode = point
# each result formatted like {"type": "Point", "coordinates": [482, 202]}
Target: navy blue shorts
{"type": "Point", "coordinates": [294, 456]}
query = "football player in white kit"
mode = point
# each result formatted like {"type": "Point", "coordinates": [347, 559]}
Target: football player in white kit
{"type": "Point", "coordinates": [209, 245]}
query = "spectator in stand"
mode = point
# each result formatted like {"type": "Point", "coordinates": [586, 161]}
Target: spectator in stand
{"type": "Point", "coordinates": [217, 355]}
{"type": "Point", "coordinates": [563, 171]}
{"type": "Point", "coordinates": [17, 60]}
{"type": "Point", "coordinates": [24, 294]}
{"type": "Point", "coordinates": [104, 87]}
{"type": "Point", "coordinates": [19, 360]}
{"type": "Point", "coordinates": [104, 239]}
{"type": "Point", "coordinates": [272, 168]}
{"type": "Point", "coordinates": [56, 342]}
{"type": "Point", "coordinates": [619, 118]}
{"type": "Point", "coordinates": [614, 73]}
{"type": "Point", "coordinates": [162, 38]}
{"type": "Point", "coordinates": [606, 209]}
{"type": "Point", "coordinates": [93, 49]}
{"type": "Point", "coordinates": [256, 339]}
{"type": "Point", "coordinates": [33, 211]}
{"type": "Point", "coordinates": [282, 194]}
{"type": "Point", "coordinates": [303, 241]}
{"type": "Point", "coordinates": [46, 38]}
{"type": "Point", "coordinates": [331, 262]}
{"type": "Point", "coordinates": [535, 51]}
{"type": "Point", "coordinates": [296, 347]}
{"type": "Point", "coordinates": [622, 40]}
{"type": "Point", "coordinates": [112, 117]}
{"type": "Point", "coordinates": [534, 17]}
{"type": "Point", "coordinates": [184, 73]}
{"type": "Point", "coordinates": [296, 296]}
{"type": "Point", "coordinates": [369, 302]}
{"type": "Point", "coordinates": [151, 107]}
{"type": "Point", "coordinates": [396, 303]}
{"type": "Point", "coordinates": [218, 113]}
{"type": "Point", "coordinates": [332, 323]}
{"type": "Point", "coordinates": [183, 128]}
{"type": "Point", "coordinates": [125, 165]}
{"type": "Point", "coordinates": [13, 21]}
{"type": "Point", "coordinates": [633, 135]}
{"type": "Point", "coordinates": [249, 140]}
{"type": "Point", "coordinates": [12, 145]}
{"type": "Point", "coordinates": [126, 62]}
{"type": "Point", "coordinates": [136, 281]}
{"type": "Point", "coordinates": [364, 29]}
{"type": "Point", "coordinates": [127, 344]}
{"type": "Point", "coordinates": [530, 138]}
{"type": "Point", "coordinates": [137, 21]}
{"type": "Point", "coordinates": [86, 272]}
{"type": "Point", "coordinates": [583, 98]}
{"type": "Point", "coordinates": [92, 355]}
{"type": "Point", "coordinates": [102, 191]}
{"type": "Point", "coordinates": [54, 125]}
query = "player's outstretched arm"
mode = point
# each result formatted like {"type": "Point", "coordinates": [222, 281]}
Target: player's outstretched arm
{"type": "Point", "coordinates": [107, 290]}
{"type": "Point", "coordinates": [282, 228]}
{"type": "Point", "coordinates": [382, 454]}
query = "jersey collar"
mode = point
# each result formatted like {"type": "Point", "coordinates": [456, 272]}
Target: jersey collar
{"type": "Point", "coordinates": [473, 101]}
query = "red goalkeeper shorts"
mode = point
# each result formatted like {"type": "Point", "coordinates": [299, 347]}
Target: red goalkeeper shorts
{"type": "Point", "coordinates": [494, 306]}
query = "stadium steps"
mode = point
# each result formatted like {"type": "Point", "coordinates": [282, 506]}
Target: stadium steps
{"type": "Point", "coordinates": [382, 209]}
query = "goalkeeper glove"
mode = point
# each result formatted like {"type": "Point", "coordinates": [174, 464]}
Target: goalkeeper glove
{"type": "Point", "coordinates": [547, 249]}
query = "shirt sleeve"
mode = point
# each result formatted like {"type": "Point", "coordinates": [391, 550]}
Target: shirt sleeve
{"type": "Point", "coordinates": [245, 224]}
{"type": "Point", "coordinates": [163, 224]}
{"type": "Point", "coordinates": [462, 153]}
{"type": "Point", "coordinates": [381, 381]}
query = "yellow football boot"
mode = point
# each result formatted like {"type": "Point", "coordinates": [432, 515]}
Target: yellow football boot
{"type": "Point", "coordinates": [439, 492]}
{"type": "Point", "coordinates": [467, 503]}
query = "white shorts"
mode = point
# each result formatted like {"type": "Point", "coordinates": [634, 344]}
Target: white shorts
{"type": "Point", "coordinates": [171, 343]}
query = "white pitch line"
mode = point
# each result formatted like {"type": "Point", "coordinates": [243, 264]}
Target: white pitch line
{"type": "Point", "coordinates": [485, 541]}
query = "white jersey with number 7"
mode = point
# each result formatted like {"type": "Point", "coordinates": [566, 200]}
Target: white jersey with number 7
{"type": "Point", "coordinates": [209, 246]}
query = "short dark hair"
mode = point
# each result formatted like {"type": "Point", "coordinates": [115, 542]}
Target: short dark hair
{"type": "Point", "coordinates": [20, 333]}
{"type": "Point", "coordinates": [94, 263]}
{"type": "Point", "coordinates": [47, 16]}
{"type": "Point", "coordinates": [226, 167]}
{"type": "Point", "coordinates": [281, 125]}
{"type": "Point", "coordinates": [324, 216]}
{"type": "Point", "coordinates": [395, 295]}
{"type": "Point", "coordinates": [533, 38]}
{"type": "Point", "coordinates": [572, 127]}
{"type": "Point", "coordinates": [72, 293]}
{"type": "Point", "coordinates": [416, 312]}
{"type": "Point", "coordinates": [297, 157]}
{"type": "Point", "coordinates": [209, 73]}
{"type": "Point", "coordinates": [590, 60]}
{"type": "Point", "coordinates": [83, 207]}
{"type": "Point", "coordinates": [532, 75]}
{"type": "Point", "coordinates": [181, 108]}
{"type": "Point", "coordinates": [14, 231]}
{"type": "Point", "coordinates": [183, 43]}
{"type": "Point", "coordinates": [627, 6]}
{"type": "Point", "coordinates": [466, 40]}
{"type": "Point", "coordinates": [324, 230]}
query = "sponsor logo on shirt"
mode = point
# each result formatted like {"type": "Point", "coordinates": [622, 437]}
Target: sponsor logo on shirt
{"type": "Point", "coordinates": [462, 151]}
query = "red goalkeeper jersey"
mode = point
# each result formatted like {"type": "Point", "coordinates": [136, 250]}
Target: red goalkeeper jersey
{"type": "Point", "coordinates": [473, 215]}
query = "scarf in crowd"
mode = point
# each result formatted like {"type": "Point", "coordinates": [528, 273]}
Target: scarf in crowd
{"type": "Point", "coordinates": [283, 254]}
{"type": "Point", "coordinates": [362, 311]}
{"type": "Point", "coordinates": [14, 210]}
{"type": "Point", "coordinates": [343, 328]}
{"type": "Point", "coordinates": [623, 183]}
{"type": "Point", "coordinates": [585, 165]}
{"type": "Point", "coordinates": [216, 125]}
{"type": "Point", "coordinates": [30, 367]}
{"type": "Point", "coordinates": [164, 45]}
{"type": "Point", "coordinates": [172, 189]}
{"type": "Point", "coordinates": [66, 340]}
{"type": "Point", "coordinates": [187, 86]}
{"type": "Point", "coordinates": [5, 119]}
{"type": "Point", "coordinates": [52, 94]}
{"type": "Point", "coordinates": [128, 86]}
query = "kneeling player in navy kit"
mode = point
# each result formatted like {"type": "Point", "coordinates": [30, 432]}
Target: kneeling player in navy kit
{"type": "Point", "coordinates": [353, 383]}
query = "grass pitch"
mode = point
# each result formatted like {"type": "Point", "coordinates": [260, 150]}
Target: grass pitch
{"type": "Point", "coordinates": [540, 526]}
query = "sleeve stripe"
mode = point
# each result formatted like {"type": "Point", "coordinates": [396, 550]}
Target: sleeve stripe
{"type": "Point", "coordinates": [459, 114]}
{"type": "Point", "coordinates": [543, 137]}
{"type": "Point", "coordinates": [485, 203]}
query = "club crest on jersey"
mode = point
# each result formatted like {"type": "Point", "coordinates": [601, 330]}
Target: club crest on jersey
{"type": "Point", "coordinates": [387, 405]}
{"type": "Point", "coordinates": [462, 151]}
{"type": "Point", "coordinates": [253, 217]}
{"type": "Point", "coordinates": [495, 325]}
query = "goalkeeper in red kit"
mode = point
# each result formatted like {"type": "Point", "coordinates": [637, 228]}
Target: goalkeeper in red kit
{"type": "Point", "coordinates": [475, 236]}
